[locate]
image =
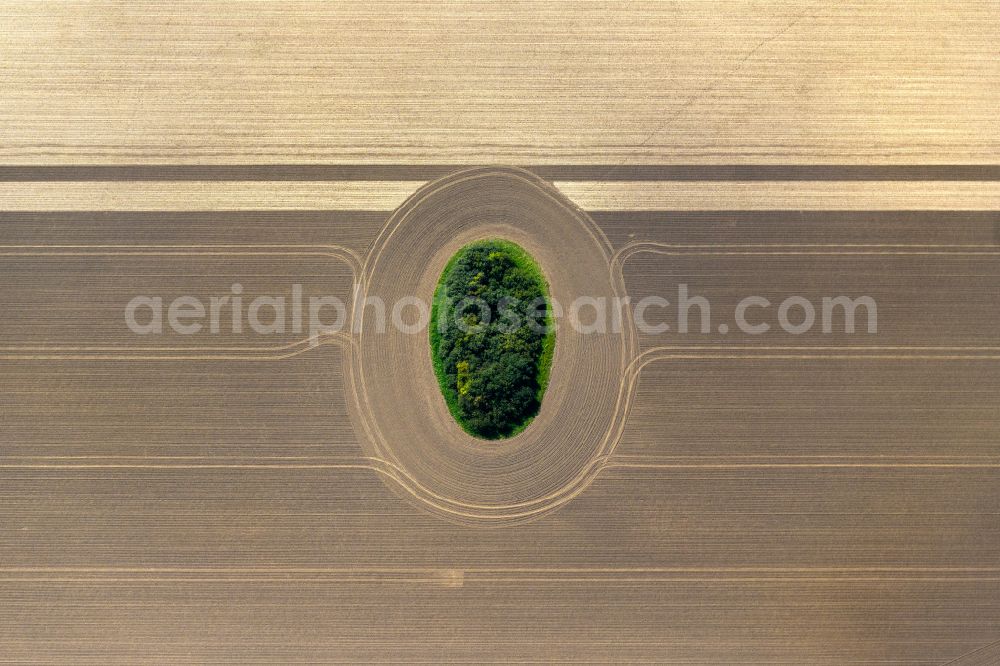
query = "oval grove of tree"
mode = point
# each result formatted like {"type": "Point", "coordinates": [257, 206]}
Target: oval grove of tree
{"type": "Point", "coordinates": [492, 338]}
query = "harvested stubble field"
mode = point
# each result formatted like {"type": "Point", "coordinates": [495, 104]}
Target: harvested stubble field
{"type": "Point", "coordinates": [306, 497]}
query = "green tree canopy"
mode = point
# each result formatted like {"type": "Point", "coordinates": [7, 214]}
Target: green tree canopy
{"type": "Point", "coordinates": [492, 338]}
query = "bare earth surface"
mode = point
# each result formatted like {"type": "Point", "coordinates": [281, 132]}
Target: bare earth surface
{"type": "Point", "coordinates": [710, 498]}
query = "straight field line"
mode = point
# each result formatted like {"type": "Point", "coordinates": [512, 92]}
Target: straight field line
{"type": "Point", "coordinates": [639, 195]}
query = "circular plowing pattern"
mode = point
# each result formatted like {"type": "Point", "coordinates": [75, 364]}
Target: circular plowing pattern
{"type": "Point", "coordinates": [401, 417]}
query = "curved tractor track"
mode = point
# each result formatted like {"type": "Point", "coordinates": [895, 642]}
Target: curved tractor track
{"type": "Point", "coordinates": [400, 416]}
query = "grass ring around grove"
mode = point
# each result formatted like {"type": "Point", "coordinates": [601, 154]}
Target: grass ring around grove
{"type": "Point", "coordinates": [399, 414]}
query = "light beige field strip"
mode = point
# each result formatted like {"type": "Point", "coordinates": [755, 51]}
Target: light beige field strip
{"type": "Point", "coordinates": [783, 195]}
{"type": "Point", "coordinates": [589, 195]}
{"type": "Point", "coordinates": [514, 83]}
